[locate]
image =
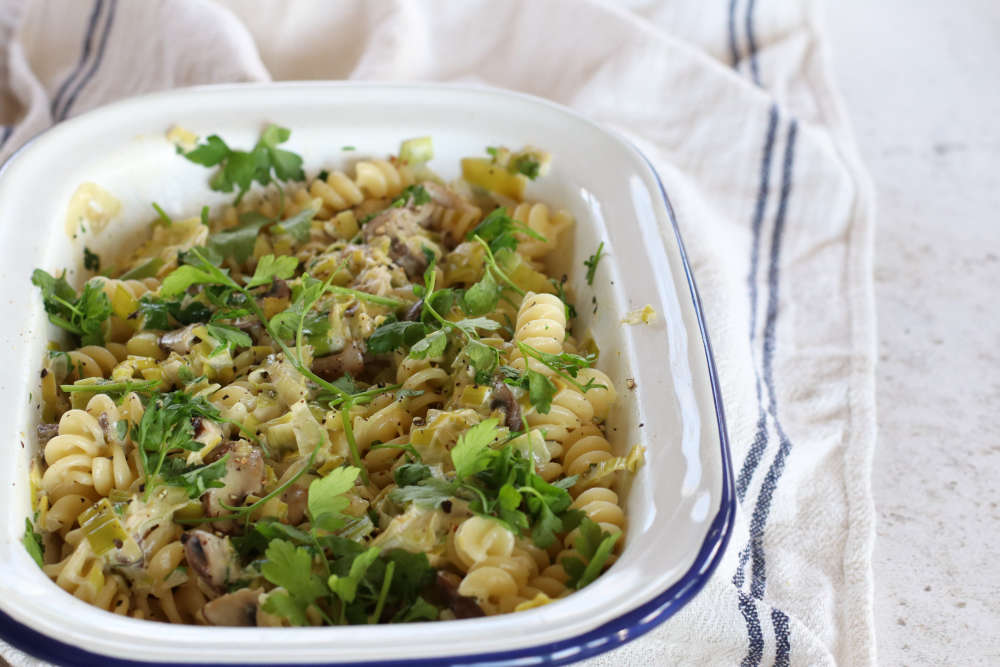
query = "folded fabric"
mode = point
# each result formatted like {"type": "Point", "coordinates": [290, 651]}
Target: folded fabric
{"type": "Point", "coordinates": [733, 103]}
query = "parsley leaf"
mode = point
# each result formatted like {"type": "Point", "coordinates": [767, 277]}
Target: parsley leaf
{"type": "Point", "coordinates": [591, 263]}
{"type": "Point", "coordinates": [147, 269]}
{"type": "Point", "coordinates": [195, 480]}
{"type": "Point", "coordinates": [595, 545]}
{"type": "Point", "coordinates": [429, 492]}
{"type": "Point", "coordinates": [229, 337]}
{"type": "Point", "coordinates": [482, 358]}
{"type": "Point", "coordinates": [432, 345]}
{"type": "Point", "coordinates": [281, 604]}
{"type": "Point", "coordinates": [416, 195]}
{"type": "Point", "coordinates": [470, 454]}
{"type": "Point", "coordinates": [394, 335]}
{"type": "Point", "coordinates": [482, 297]}
{"type": "Point", "coordinates": [290, 567]}
{"type": "Point", "coordinates": [167, 426]}
{"type": "Point", "coordinates": [497, 229]}
{"type": "Point", "coordinates": [187, 275]}
{"type": "Point", "coordinates": [297, 226]}
{"type": "Point", "coordinates": [269, 268]}
{"type": "Point", "coordinates": [32, 542]}
{"type": "Point", "coordinates": [326, 501]}
{"type": "Point", "coordinates": [241, 168]}
{"type": "Point", "coordinates": [346, 587]}
{"type": "Point", "coordinates": [525, 164]}
{"type": "Point", "coordinates": [156, 312]}
{"type": "Point", "coordinates": [238, 242]}
{"type": "Point", "coordinates": [84, 315]}
{"type": "Point", "coordinates": [540, 391]}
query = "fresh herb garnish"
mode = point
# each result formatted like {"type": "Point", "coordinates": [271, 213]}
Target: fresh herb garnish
{"type": "Point", "coordinates": [83, 315]}
{"type": "Point", "coordinates": [595, 546]}
{"type": "Point", "coordinates": [591, 263]}
{"type": "Point", "coordinates": [265, 163]}
{"type": "Point", "coordinates": [32, 542]}
{"type": "Point", "coordinates": [498, 482]}
{"type": "Point", "coordinates": [91, 261]}
{"type": "Point", "coordinates": [497, 229]}
{"type": "Point", "coordinates": [168, 426]}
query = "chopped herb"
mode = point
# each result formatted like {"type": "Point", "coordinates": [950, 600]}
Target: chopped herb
{"type": "Point", "coordinates": [32, 542]}
{"type": "Point", "coordinates": [591, 263]}
{"type": "Point", "coordinates": [164, 218]}
{"type": "Point", "coordinates": [83, 315]}
{"type": "Point", "coordinates": [525, 164]}
{"type": "Point", "coordinates": [595, 546]}
{"type": "Point", "coordinates": [91, 261]}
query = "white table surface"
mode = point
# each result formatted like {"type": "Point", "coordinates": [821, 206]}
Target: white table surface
{"type": "Point", "coordinates": [921, 80]}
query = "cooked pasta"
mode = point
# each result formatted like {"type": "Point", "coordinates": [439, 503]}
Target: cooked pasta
{"type": "Point", "coordinates": [338, 400]}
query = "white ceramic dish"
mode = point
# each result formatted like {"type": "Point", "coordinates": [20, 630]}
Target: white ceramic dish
{"type": "Point", "coordinates": [680, 504]}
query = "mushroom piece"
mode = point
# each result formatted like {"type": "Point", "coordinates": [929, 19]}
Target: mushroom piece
{"type": "Point", "coordinates": [296, 498]}
{"type": "Point", "coordinates": [244, 475]}
{"type": "Point", "coordinates": [503, 398]}
{"type": "Point", "coordinates": [46, 432]}
{"type": "Point", "coordinates": [234, 609]}
{"type": "Point", "coordinates": [349, 361]}
{"type": "Point", "coordinates": [413, 312]}
{"type": "Point", "coordinates": [446, 588]}
{"type": "Point", "coordinates": [211, 557]}
{"type": "Point", "coordinates": [401, 225]}
{"type": "Point", "coordinates": [179, 340]}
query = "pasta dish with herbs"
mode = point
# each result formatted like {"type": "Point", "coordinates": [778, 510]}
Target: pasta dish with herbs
{"type": "Point", "coordinates": [338, 400]}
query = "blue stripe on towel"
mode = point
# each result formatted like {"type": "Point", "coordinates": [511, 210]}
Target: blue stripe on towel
{"type": "Point", "coordinates": [5, 134]}
{"type": "Point", "coordinates": [754, 550]}
{"type": "Point", "coordinates": [84, 57]}
{"type": "Point", "coordinates": [755, 650]}
{"type": "Point", "coordinates": [752, 43]}
{"type": "Point", "coordinates": [97, 61]}
{"type": "Point", "coordinates": [784, 647]}
{"type": "Point", "coordinates": [759, 444]}
{"type": "Point", "coordinates": [734, 52]}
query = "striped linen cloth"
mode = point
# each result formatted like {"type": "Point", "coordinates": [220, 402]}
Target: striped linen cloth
{"type": "Point", "coordinates": [733, 101]}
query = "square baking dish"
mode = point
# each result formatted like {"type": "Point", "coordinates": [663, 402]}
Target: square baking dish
{"type": "Point", "coordinates": [680, 503]}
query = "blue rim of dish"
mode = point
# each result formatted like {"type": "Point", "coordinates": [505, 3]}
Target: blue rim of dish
{"type": "Point", "coordinates": [607, 637]}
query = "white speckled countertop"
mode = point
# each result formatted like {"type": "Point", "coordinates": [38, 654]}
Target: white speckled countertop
{"type": "Point", "coordinates": [921, 81]}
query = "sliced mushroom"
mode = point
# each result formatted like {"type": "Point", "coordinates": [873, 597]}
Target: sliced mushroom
{"type": "Point", "coordinates": [504, 399]}
{"type": "Point", "coordinates": [179, 340]}
{"type": "Point", "coordinates": [349, 361]}
{"type": "Point", "coordinates": [279, 290]}
{"type": "Point", "coordinates": [234, 609]}
{"type": "Point", "coordinates": [252, 327]}
{"type": "Point", "coordinates": [211, 557]}
{"type": "Point", "coordinates": [413, 312]}
{"type": "Point", "coordinates": [446, 590]}
{"type": "Point", "coordinates": [296, 499]}
{"type": "Point", "coordinates": [46, 432]}
{"type": "Point", "coordinates": [244, 475]}
{"type": "Point", "coordinates": [401, 225]}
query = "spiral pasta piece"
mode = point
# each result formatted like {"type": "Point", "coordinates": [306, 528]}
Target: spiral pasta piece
{"type": "Point", "coordinates": [380, 178]}
{"type": "Point", "coordinates": [337, 192]}
{"type": "Point", "coordinates": [541, 324]}
{"type": "Point", "coordinates": [420, 375]}
{"type": "Point", "coordinates": [538, 218]}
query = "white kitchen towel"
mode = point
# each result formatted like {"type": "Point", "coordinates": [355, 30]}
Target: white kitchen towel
{"type": "Point", "coordinates": [733, 101]}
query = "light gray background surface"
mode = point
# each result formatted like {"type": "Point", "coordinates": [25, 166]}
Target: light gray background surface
{"type": "Point", "coordinates": [921, 82]}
